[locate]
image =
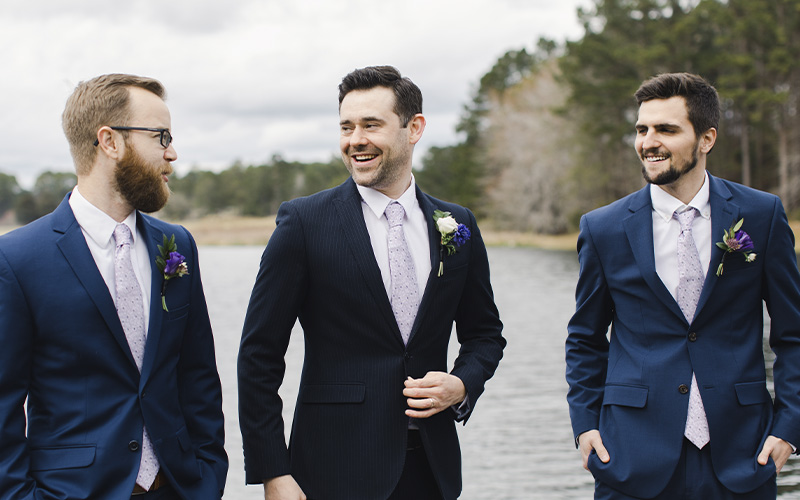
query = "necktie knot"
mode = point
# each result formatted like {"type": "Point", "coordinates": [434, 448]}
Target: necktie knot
{"type": "Point", "coordinates": [122, 235]}
{"type": "Point", "coordinates": [394, 214]}
{"type": "Point", "coordinates": [686, 218]}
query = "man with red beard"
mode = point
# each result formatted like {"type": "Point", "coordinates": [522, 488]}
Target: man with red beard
{"type": "Point", "coordinates": [377, 272]}
{"type": "Point", "coordinates": [103, 322]}
{"type": "Point", "coordinates": [672, 402]}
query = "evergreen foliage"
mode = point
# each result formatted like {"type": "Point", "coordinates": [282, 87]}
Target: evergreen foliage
{"type": "Point", "coordinates": [548, 134]}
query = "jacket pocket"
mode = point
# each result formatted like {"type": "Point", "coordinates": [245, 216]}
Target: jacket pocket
{"type": "Point", "coordinates": [65, 457]}
{"type": "Point", "coordinates": [625, 395]}
{"type": "Point", "coordinates": [752, 393]}
{"type": "Point", "coordinates": [179, 457]}
{"type": "Point", "coordinates": [333, 393]}
{"type": "Point", "coordinates": [177, 313]}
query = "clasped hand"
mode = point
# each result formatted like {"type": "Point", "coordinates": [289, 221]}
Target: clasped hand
{"type": "Point", "coordinates": [434, 392]}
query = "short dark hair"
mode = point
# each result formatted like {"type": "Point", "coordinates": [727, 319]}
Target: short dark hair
{"type": "Point", "coordinates": [702, 100]}
{"type": "Point", "coordinates": [407, 96]}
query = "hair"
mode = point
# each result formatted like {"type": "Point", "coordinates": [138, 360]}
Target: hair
{"type": "Point", "coordinates": [408, 97]}
{"type": "Point", "coordinates": [702, 100]}
{"type": "Point", "coordinates": [101, 101]}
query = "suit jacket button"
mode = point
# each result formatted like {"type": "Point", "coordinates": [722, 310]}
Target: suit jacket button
{"type": "Point", "coordinates": [692, 337]}
{"type": "Point", "coordinates": [133, 446]}
{"type": "Point", "coordinates": [683, 388]}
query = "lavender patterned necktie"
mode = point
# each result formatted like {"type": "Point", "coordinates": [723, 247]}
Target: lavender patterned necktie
{"type": "Point", "coordinates": [405, 294]}
{"type": "Point", "coordinates": [130, 309]}
{"type": "Point", "coordinates": [690, 283]}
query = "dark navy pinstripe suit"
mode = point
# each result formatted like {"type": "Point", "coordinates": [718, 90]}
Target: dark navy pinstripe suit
{"type": "Point", "coordinates": [349, 432]}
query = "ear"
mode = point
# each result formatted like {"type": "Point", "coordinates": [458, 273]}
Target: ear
{"type": "Point", "coordinates": [110, 143]}
{"type": "Point", "coordinates": [415, 128]}
{"type": "Point", "coordinates": [707, 140]}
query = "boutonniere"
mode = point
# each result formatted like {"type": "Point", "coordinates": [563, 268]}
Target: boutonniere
{"type": "Point", "coordinates": [171, 264]}
{"type": "Point", "coordinates": [736, 240]}
{"type": "Point", "coordinates": [453, 235]}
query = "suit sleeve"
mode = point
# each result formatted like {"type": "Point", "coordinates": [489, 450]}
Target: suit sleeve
{"type": "Point", "coordinates": [200, 392]}
{"type": "Point", "coordinates": [274, 306]}
{"type": "Point", "coordinates": [478, 325]}
{"type": "Point", "coordinates": [587, 344]}
{"type": "Point", "coordinates": [781, 292]}
{"type": "Point", "coordinates": [16, 339]}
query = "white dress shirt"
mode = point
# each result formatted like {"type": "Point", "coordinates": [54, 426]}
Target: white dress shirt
{"type": "Point", "coordinates": [98, 230]}
{"type": "Point", "coordinates": [415, 228]}
{"type": "Point", "coordinates": [666, 230]}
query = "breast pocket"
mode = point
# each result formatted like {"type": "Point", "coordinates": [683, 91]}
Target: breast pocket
{"type": "Point", "coordinates": [177, 313]}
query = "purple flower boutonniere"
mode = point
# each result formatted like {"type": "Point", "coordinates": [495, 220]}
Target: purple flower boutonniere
{"type": "Point", "coordinates": [736, 240]}
{"type": "Point", "coordinates": [171, 264]}
{"type": "Point", "coordinates": [453, 235]}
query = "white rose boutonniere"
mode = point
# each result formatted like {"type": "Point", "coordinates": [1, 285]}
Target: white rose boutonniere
{"type": "Point", "coordinates": [453, 235]}
{"type": "Point", "coordinates": [447, 225]}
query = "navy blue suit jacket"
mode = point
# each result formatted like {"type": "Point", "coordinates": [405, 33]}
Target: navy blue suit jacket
{"type": "Point", "coordinates": [349, 431]}
{"type": "Point", "coordinates": [629, 388]}
{"type": "Point", "coordinates": [63, 348]}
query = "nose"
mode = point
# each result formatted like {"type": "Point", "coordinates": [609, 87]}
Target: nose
{"type": "Point", "coordinates": [170, 154]}
{"type": "Point", "coordinates": [358, 137]}
{"type": "Point", "coordinates": [650, 141]}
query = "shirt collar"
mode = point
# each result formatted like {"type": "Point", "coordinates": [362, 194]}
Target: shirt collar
{"type": "Point", "coordinates": [377, 201]}
{"type": "Point", "coordinates": [96, 224]}
{"type": "Point", "coordinates": [664, 204]}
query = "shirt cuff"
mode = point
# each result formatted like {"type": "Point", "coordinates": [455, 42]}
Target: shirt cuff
{"type": "Point", "coordinates": [462, 409]}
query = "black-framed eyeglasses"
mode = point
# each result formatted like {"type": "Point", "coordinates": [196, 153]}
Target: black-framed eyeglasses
{"type": "Point", "coordinates": [165, 138]}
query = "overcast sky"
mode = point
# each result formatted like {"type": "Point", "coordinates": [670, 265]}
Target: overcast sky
{"type": "Point", "coordinates": [247, 79]}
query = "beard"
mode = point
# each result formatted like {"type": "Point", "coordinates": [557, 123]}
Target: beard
{"type": "Point", "coordinates": [389, 172]}
{"type": "Point", "coordinates": [140, 183]}
{"type": "Point", "coordinates": [674, 172]}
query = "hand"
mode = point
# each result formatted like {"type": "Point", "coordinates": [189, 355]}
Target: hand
{"type": "Point", "coordinates": [283, 488]}
{"type": "Point", "coordinates": [591, 440]}
{"type": "Point", "coordinates": [434, 392]}
{"type": "Point", "coordinates": [776, 448]}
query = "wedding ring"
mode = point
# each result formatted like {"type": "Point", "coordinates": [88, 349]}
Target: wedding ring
{"type": "Point", "coordinates": [433, 403]}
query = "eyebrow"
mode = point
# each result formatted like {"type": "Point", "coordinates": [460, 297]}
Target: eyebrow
{"type": "Point", "coordinates": [657, 125]}
{"type": "Point", "coordinates": [364, 119]}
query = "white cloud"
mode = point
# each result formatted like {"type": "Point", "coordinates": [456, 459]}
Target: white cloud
{"type": "Point", "coordinates": [249, 78]}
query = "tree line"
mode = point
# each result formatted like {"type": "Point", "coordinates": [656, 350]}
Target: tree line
{"type": "Point", "coordinates": [548, 133]}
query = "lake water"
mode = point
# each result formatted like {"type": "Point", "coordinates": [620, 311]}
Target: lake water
{"type": "Point", "coordinates": [518, 443]}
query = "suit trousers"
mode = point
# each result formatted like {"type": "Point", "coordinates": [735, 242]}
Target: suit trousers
{"type": "Point", "coordinates": [417, 481]}
{"type": "Point", "coordinates": [694, 479]}
{"type": "Point", "coordinates": [163, 493]}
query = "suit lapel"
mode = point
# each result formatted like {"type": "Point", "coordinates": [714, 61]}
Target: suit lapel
{"type": "Point", "coordinates": [639, 229]}
{"type": "Point", "coordinates": [723, 214]}
{"type": "Point", "coordinates": [153, 238]}
{"type": "Point", "coordinates": [427, 208]}
{"type": "Point", "coordinates": [73, 246]}
{"type": "Point", "coordinates": [347, 204]}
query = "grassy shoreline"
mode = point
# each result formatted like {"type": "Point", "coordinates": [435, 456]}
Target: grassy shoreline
{"type": "Point", "coordinates": [236, 230]}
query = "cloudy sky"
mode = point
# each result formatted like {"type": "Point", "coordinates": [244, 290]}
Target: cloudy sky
{"type": "Point", "coordinates": [247, 79]}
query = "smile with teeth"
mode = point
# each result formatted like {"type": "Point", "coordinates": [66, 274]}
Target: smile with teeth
{"type": "Point", "coordinates": [364, 157]}
{"type": "Point", "coordinates": [655, 157]}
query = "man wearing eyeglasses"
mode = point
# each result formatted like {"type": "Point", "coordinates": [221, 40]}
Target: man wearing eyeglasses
{"type": "Point", "coordinates": [105, 333]}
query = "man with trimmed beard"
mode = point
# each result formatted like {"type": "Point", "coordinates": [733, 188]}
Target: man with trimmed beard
{"type": "Point", "coordinates": [105, 333]}
{"type": "Point", "coordinates": [377, 272]}
{"type": "Point", "coordinates": [673, 403]}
